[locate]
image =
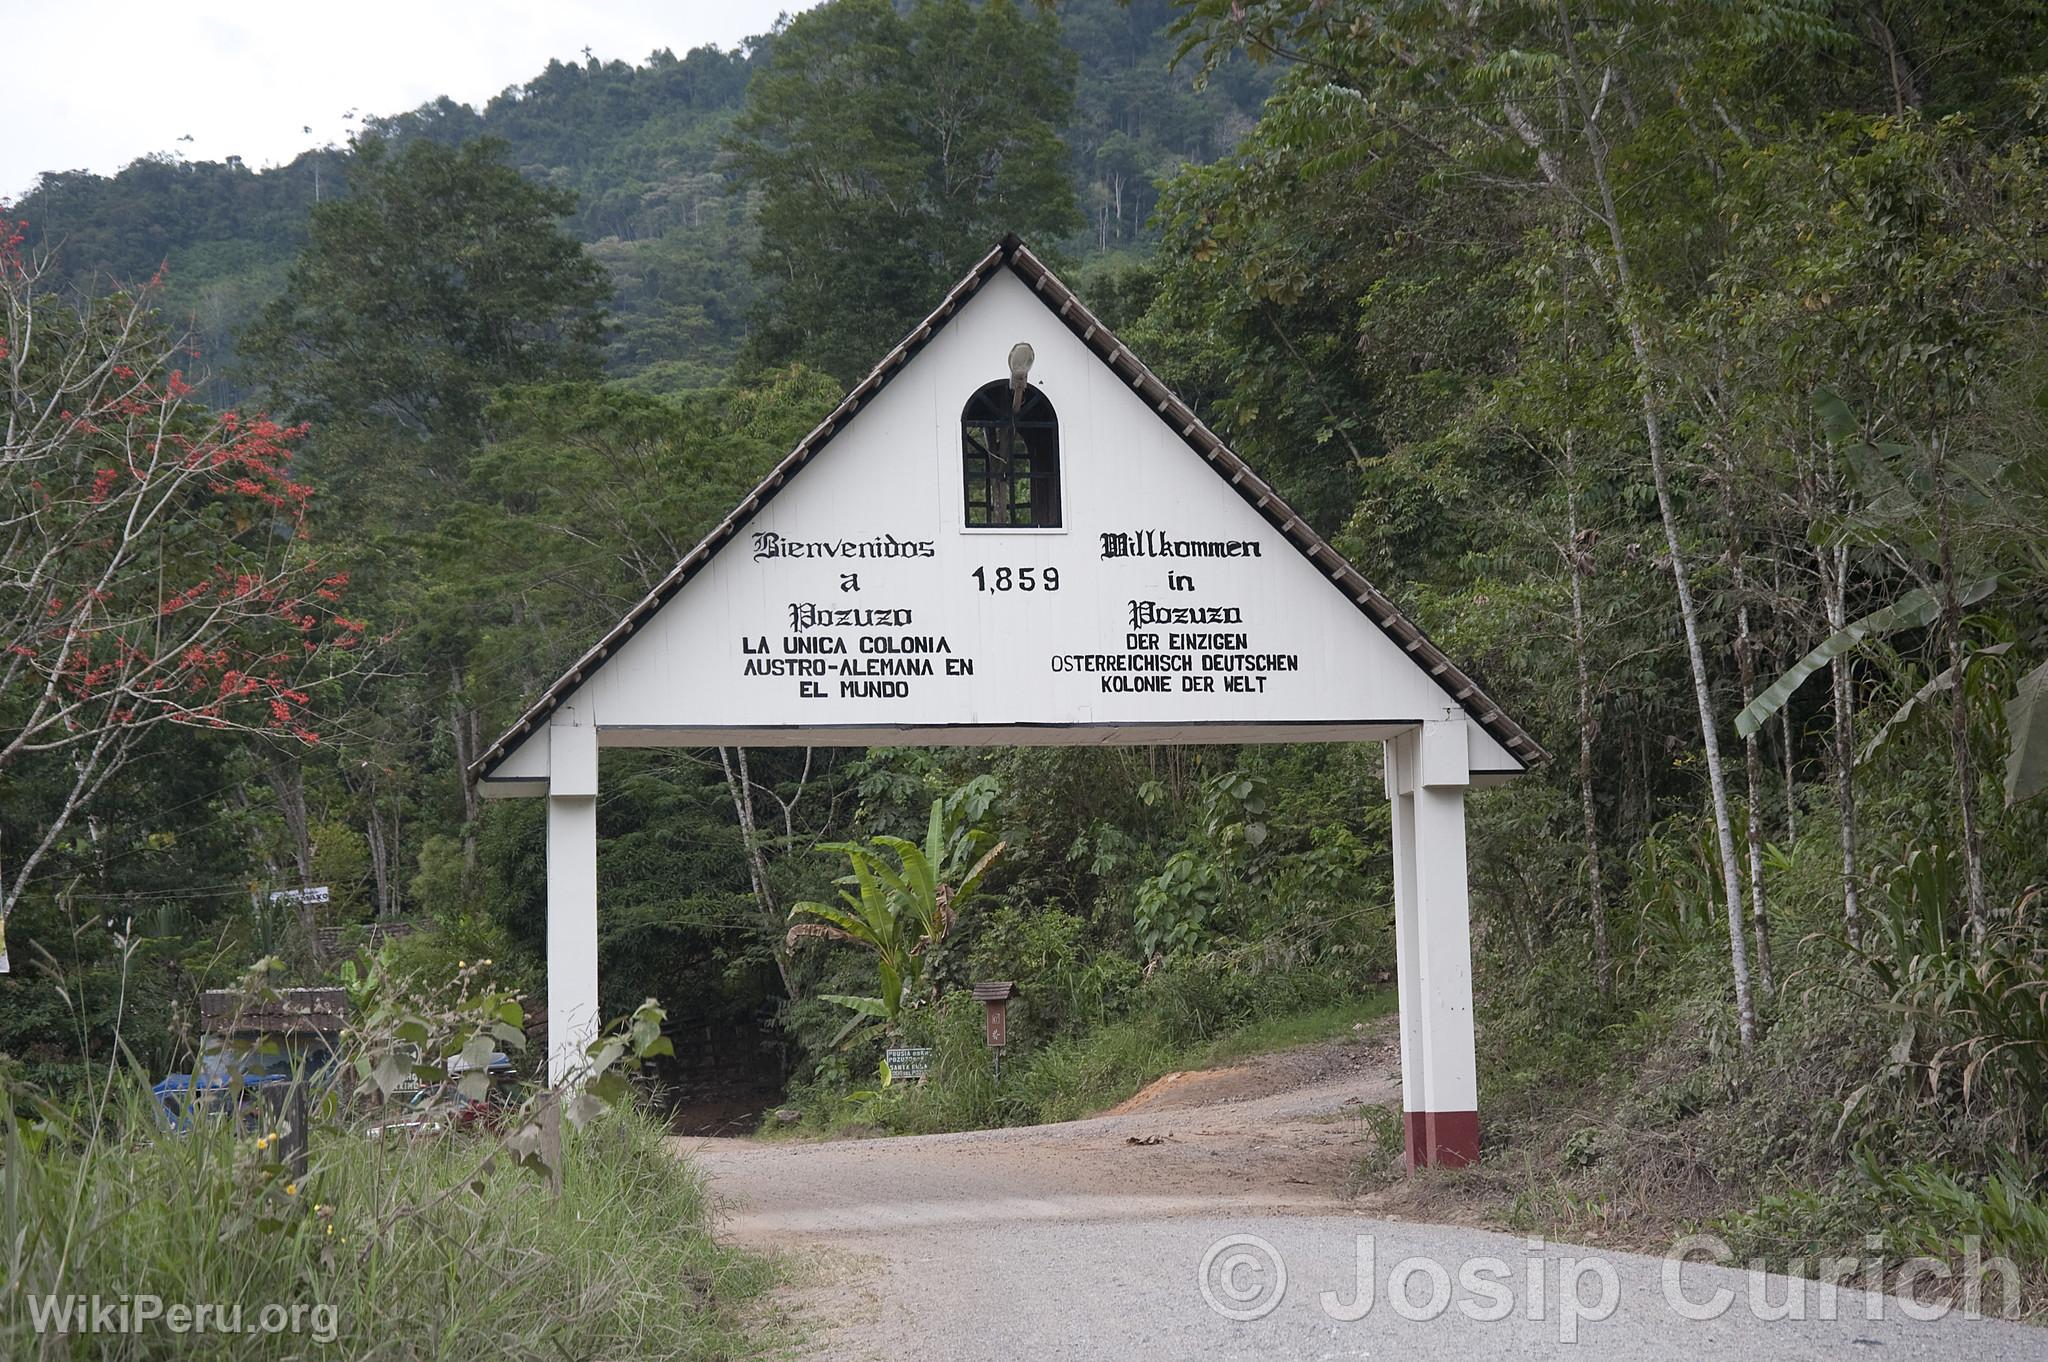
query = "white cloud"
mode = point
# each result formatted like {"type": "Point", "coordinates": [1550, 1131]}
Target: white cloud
{"type": "Point", "coordinates": [95, 84]}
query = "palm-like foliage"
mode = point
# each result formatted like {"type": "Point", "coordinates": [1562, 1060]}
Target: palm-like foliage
{"type": "Point", "coordinates": [900, 910]}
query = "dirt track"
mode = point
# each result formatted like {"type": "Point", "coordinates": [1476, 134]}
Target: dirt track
{"type": "Point", "coordinates": [1281, 1133]}
{"type": "Point", "coordinates": [1105, 1240]}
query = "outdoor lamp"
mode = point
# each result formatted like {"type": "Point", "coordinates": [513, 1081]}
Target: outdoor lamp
{"type": "Point", "coordinates": [1021, 355]}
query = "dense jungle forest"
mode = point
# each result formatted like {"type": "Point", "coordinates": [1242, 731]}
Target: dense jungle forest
{"type": "Point", "coordinates": [1683, 370]}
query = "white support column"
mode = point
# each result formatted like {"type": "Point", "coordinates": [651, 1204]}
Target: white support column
{"type": "Point", "coordinates": [1428, 773]}
{"type": "Point", "coordinates": [572, 893]}
{"type": "Point", "coordinates": [1399, 757]}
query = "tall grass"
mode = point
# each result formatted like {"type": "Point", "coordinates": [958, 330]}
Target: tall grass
{"type": "Point", "coordinates": [1910, 1210]}
{"type": "Point", "coordinates": [561, 1228]}
{"type": "Point", "coordinates": [411, 1249]}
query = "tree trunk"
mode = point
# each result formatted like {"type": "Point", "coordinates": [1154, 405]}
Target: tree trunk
{"type": "Point", "coordinates": [110, 751]}
{"type": "Point", "coordinates": [1759, 920]}
{"type": "Point", "coordinates": [740, 786]}
{"type": "Point", "coordinates": [1688, 611]}
{"type": "Point", "coordinates": [1785, 733]}
{"type": "Point", "coordinates": [1717, 781]}
{"type": "Point", "coordinates": [1959, 706]}
{"type": "Point", "coordinates": [287, 776]}
{"type": "Point", "coordinates": [383, 841]}
{"type": "Point", "coordinates": [1576, 565]}
{"type": "Point", "coordinates": [1752, 752]}
{"type": "Point", "coordinates": [380, 860]}
{"type": "Point", "coordinates": [1791, 784]}
{"type": "Point", "coordinates": [463, 723]}
{"type": "Point", "coordinates": [384, 853]}
{"type": "Point", "coordinates": [1623, 302]}
{"type": "Point", "coordinates": [1834, 569]}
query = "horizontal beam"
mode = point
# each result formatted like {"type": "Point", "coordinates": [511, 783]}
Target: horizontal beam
{"type": "Point", "coordinates": [1002, 735]}
{"type": "Point", "coordinates": [983, 735]}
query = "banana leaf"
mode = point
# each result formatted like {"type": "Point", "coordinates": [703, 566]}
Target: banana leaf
{"type": "Point", "coordinates": [1914, 610]}
{"type": "Point", "coordinates": [846, 922]}
{"type": "Point", "coordinates": [2026, 719]}
{"type": "Point", "coordinates": [1945, 681]}
{"type": "Point", "coordinates": [866, 1007]}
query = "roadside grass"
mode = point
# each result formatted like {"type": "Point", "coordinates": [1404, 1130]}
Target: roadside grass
{"type": "Point", "coordinates": [1175, 1025]}
{"type": "Point", "coordinates": [1289, 1030]}
{"type": "Point", "coordinates": [428, 1248]}
{"type": "Point", "coordinates": [1634, 1123]}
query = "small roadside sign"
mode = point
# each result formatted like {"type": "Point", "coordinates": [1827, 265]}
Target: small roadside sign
{"type": "Point", "coordinates": [995, 996]}
{"type": "Point", "coordinates": [909, 1061]}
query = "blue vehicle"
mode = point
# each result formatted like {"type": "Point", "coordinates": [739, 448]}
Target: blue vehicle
{"type": "Point", "coordinates": [230, 1076]}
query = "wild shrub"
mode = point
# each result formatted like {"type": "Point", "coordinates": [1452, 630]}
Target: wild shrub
{"type": "Point", "coordinates": [563, 1226]}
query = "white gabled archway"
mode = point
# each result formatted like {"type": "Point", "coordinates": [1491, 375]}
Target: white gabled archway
{"type": "Point", "coordinates": [1142, 586]}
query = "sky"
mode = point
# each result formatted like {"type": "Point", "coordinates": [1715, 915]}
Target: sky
{"type": "Point", "coordinates": [103, 82]}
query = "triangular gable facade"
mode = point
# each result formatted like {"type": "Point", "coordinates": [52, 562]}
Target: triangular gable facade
{"type": "Point", "coordinates": [847, 600]}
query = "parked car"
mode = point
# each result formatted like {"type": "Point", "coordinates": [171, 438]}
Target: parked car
{"type": "Point", "coordinates": [229, 1077]}
{"type": "Point", "coordinates": [439, 1108]}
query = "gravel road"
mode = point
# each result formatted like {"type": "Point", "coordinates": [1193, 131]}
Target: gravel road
{"type": "Point", "coordinates": [1203, 1220]}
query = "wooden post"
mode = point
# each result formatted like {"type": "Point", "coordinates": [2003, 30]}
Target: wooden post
{"type": "Point", "coordinates": [285, 1106]}
{"type": "Point", "coordinates": [550, 1121]}
{"type": "Point", "coordinates": [995, 997]}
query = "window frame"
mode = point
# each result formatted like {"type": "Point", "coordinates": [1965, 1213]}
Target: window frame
{"type": "Point", "coordinates": [983, 418]}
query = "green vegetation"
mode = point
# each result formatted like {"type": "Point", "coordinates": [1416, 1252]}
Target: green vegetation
{"type": "Point", "coordinates": [1681, 368]}
{"type": "Point", "coordinates": [547, 1228]}
{"type": "Point", "coordinates": [460, 255]}
{"type": "Point", "coordinates": [643, 149]}
{"type": "Point", "coordinates": [1640, 1119]}
{"type": "Point", "coordinates": [1187, 1016]}
{"type": "Point", "coordinates": [902, 912]}
{"type": "Point", "coordinates": [1287, 1030]}
{"type": "Point", "coordinates": [426, 1258]}
{"type": "Point", "coordinates": [891, 150]}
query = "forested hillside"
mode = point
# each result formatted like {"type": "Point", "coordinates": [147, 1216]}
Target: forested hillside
{"type": "Point", "coordinates": [642, 148]}
{"type": "Point", "coordinates": [1681, 369]}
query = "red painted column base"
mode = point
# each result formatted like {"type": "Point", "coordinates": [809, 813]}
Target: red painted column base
{"type": "Point", "coordinates": [1442, 1139]}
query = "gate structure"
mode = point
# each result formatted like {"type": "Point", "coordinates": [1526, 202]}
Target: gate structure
{"type": "Point", "coordinates": [1011, 532]}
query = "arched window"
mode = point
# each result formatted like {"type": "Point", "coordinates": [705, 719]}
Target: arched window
{"type": "Point", "coordinates": [1010, 459]}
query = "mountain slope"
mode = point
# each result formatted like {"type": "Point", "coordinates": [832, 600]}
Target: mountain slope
{"type": "Point", "coordinates": [641, 147]}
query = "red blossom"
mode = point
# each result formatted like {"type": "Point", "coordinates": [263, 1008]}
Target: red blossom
{"type": "Point", "coordinates": [242, 667]}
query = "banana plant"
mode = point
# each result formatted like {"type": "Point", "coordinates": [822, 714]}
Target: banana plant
{"type": "Point", "coordinates": [899, 910]}
{"type": "Point", "coordinates": [1916, 609]}
{"type": "Point", "coordinates": [1894, 510]}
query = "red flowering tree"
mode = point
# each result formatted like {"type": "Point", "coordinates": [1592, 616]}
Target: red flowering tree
{"type": "Point", "coordinates": [153, 564]}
